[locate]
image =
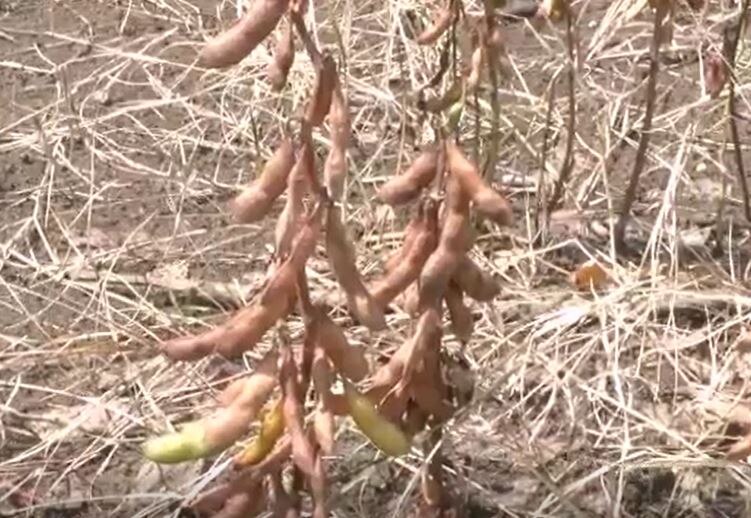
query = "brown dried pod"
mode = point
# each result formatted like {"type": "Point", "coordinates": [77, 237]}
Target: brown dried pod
{"type": "Point", "coordinates": [342, 260]}
{"type": "Point", "coordinates": [462, 321]}
{"type": "Point", "coordinates": [405, 187]}
{"type": "Point", "coordinates": [427, 386]}
{"type": "Point", "coordinates": [249, 401]}
{"type": "Point", "coordinates": [239, 334]}
{"type": "Point", "coordinates": [298, 186]}
{"type": "Point", "coordinates": [213, 499]}
{"type": "Point", "coordinates": [335, 171]}
{"type": "Point", "coordinates": [411, 232]}
{"type": "Point", "coordinates": [339, 119]}
{"type": "Point", "coordinates": [339, 405]}
{"type": "Point", "coordinates": [323, 420]}
{"type": "Point", "coordinates": [318, 490]}
{"type": "Point", "coordinates": [324, 428]}
{"type": "Point", "coordinates": [230, 392]}
{"type": "Point", "coordinates": [232, 45]}
{"type": "Point", "coordinates": [256, 200]}
{"type": "Point", "coordinates": [305, 241]}
{"type": "Point", "coordinates": [320, 102]}
{"type": "Point", "coordinates": [487, 201]}
{"type": "Point", "coordinates": [250, 502]}
{"type": "Point", "coordinates": [438, 26]}
{"type": "Point", "coordinates": [284, 57]}
{"type": "Point", "coordinates": [335, 168]}
{"type": "Point", "coordinates": [476, 282]}
{"type": "Point", "coordinates": [395, 403]}
{"type": "Point", "coordinates": [303, 453]}
{"type": "Point", "coordinates": [408, 270]}
{"type": "Point", "coordinates": [455, 240]}
{"type": "Point", "coordinates": [427, 337]}
{"type": "Point", "coordinates": [410, 299]}
{"type": "Point", "coordinates": [405, 360]}
{"type": "Point", "coordinates": [475, 68]}
{"type": "Point", "coordinates": [349, 361]}
{"type": "Point", "coordinates": [244, 329]}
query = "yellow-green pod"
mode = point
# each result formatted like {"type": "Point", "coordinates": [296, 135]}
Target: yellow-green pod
{"type": "Point", "coordinates": [388, 437]}
{"type": "Point", "coordinates": [188, 443]}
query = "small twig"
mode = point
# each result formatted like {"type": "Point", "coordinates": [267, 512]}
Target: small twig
{"type": "Point", "coordinates": [343, 52]}
{"type": "Point", "coordinates": [306, 306]}
{"type": "Point", "coordinates": [256, 137]}
{"type": "Point", "coordinates": [441, 165]}
{"type": "Point", "coordinates": [453, 49]}
{"type": "Point", "coordinates": [443, 66]}
{"type": "Point", "coordinates": [641, 152]}
{"type": "Point", "coordinates": [720, 223]}
{"type": "Point", "coordinates": [568, 159]}
{"type": "Point", "coordinates": [478, 128]}
{"type": "Point", "coordinates": [731, 48]}
{"type": "Point", "coordinates": [488, 167]}
{"type": "Point", "coordinates": [540, 205]}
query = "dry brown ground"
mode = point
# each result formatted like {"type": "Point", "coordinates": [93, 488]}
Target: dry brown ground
{"type": "Point", "coordinates": [117, 162]}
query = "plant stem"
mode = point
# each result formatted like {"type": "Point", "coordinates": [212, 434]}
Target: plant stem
{"type": "Point", "coordinates": [541, 218]}
{"type": "Point", "coordinates": [568, 159]}
{"type": "Point", "coordinates": [731, 47]}
{"type": "Point", "coordinates": [641, 152]}
{"type": "Point", "coordinates": [488, 168]}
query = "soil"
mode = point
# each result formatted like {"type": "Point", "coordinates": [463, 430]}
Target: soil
{"type": "Point", "coordinates": [118, 159]}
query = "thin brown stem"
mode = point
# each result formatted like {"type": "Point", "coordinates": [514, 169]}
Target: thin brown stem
{"type": "Point", "coordinates": [306, 306]}
{"type": "Point", "coordinates": [731, 49]}
{"type": "Point", "coordinates": [434, 493]}
{"type": "Point", "coordinates": [540, 216]}
{"type": "Point", "coordinates": [440, 166]}
{"type": "Point", "coordinates": [641, 152]}
{"type": "Point", "coordinates": [492, 58]}
{"type": "Point", "coordinates": [568, 159]}
{"type": "Point", "coordinates": [476, 143]}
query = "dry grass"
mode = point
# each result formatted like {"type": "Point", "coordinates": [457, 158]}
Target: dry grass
{"type": "Point", "coordinates": [119, 156]}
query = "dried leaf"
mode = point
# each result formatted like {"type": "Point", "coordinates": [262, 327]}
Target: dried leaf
{"type": "Point", "coordinates": [589, 276]}
{"type": "Point", "coordinates": [715, 73]}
